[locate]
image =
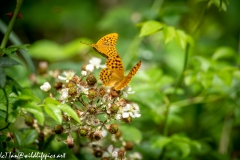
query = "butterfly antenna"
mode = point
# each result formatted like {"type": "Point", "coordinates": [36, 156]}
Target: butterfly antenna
{"type": "Point", "coordinates": [85, 43]}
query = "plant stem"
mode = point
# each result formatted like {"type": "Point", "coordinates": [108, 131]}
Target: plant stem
{"type": "Point", "coordinates": [5, 94]}
{"type": "Point", "coordinates": [10, 26]}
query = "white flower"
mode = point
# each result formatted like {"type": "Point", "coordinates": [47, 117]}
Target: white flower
{"type": "Point", "coordinates": [135, 156]}
{"type": "Point", "coordinates": [68, 76]}
{"type": "Point", "coordinates": [130, 110]}
{"type": "Point", "coordinates": [113, 152]}
{"type": "Point", "coordinates": [127, 90]}
{"type": "Point", "coordinates": [89, 67]}
{"type": "Point", "coordinates": [83, 89]}
{"type": "Point", "coordinates": [64, 95]}
{"type": "Point", "coordinates": [96, 62]}
{"type": "Point", "coordinates": [45, 87]}
{"type": "Point", "coordinates": [84, 73]}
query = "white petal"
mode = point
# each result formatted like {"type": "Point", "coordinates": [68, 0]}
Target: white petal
{"type": "Point", "coordinates": [90, 67]}
{"type": "Point", "coordinates": [110, 148]}
{"type": "Point", "coordinates": [125, 114]}
{"type": "Point", "coordinates": [62, 78]}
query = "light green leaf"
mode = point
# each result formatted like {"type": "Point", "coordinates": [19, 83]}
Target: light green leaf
{"type": "Point", "coordinates": [131, 133]}
{"type": "Point", "coordinates": [160, 142]}
{"type": "Point", "coordinates": [67, 109]}
{"type": "Point", "coordinates": [205, 63]}
{"type": "Point", "coordinates": [205, 79]}
{"type": "Point", "coordinates": [236, 74]}
{"type": "Point", "coordinates": [169, 33]}
{"type": "Point", "coordinates": [226, 77]}
{"type": "Point", "coordinates": [150, 27]}
{"type": "Point", "coordinates": [223, 53]}
{"type": "Point", "coordinates": [53, 111]}
{"type": "Point", "coordinates": [183, 147]}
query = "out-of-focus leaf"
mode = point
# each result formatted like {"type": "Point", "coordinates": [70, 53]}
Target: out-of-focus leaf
{"type": "Point", "coordinates": [131, 133]}
{"type": "Point", "coordinates": [205, 63]}
{"type": "Point", "coordinates": [36, 110]}
{"type": "Point", "coordinates": [26, 137]}
{"type": "Point", "coordinates": [236, 74]}
{"type": "Point", "coordinates": [53, 111]}
{"type": "Point", "coordinates": [69, 111]}
{"type": "Point", "coordinates": [23, 46]}
{"type": "Point", "coordinates": [2, 78]}
{"type": "Point", "coordinates": [223, 53]}
{"type": "Point", "coordinates": [150, 27]}
{"type": "Point", "coordinates": [226, 77]}
{"type": "Point", "coordinates": [28, 95]}
{"type": "Point", "coordinates": [160, 142]}
{"type": "Point", "coordinates": [169, 33]}
{"type": "Point", "coordinates": [183, 147]}
{"type": "Point", "coordinates": [205, 79]}
{"type": "Point", "coordinates": [217, 3]}
{"type": "Point", "coordinates": [183, 39]}
{"type": "Point", "coordinates": [7, 62]}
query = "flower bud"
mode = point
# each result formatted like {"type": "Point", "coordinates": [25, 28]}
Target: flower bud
{"type": "Point", "coordinates": [69, 142]}
{"type": "Point", "coordinates": [83, 132]}
{"type": "Point", "coordinates": [69, 85]}
{"type": "Point", "coordinates": [92, 93]}
{"type": "Point", "coordinates": [92, 110]}
{"type": "Point", "coordinates": [58, 85]}
{"type": "Point", "coordinates": [58, 129]}
{"type": "Point", "coordinates": [121, 154]}
{"type": "Point", "coordinates": [75, 79]}
{"type": "Point", "coordinates": [129, 146]}
{"type": "Point", "coordinates": [118, 134]}
{"type": "Point", "coordinates": [113, 128]}
{"type": "Point", "coordinates": [127, 120]}
{"type": "Point", "coordinates": [98, 153]}
{"type": "Point", "coordinates": [91, 80]}
{"type": "Point", "coordinates": [114, 109]}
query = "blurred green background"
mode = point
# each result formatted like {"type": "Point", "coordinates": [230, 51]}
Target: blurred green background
{"type": "Point", "coordinates": [203, 120]}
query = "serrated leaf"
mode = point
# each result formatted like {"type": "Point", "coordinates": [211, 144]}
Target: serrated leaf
{"type": "Point", "coordinates": [36, 110]}
{"type": "Point", "coordinates": [2, 78]}
{"type": "Point", "coordinates": [7, 62]}
{"type": "Point", "coordinates": [131, 133]}
{"type": "Point", "coordinates": [9, 51]}
{"type": "Point", "coordinates": [53, 111]}
{"type": "Point", "coordinates": [150, 27]}
{"type": "Point", "coordinates": [67, 109]}
{"type": "Point", "coordinates": [169, 33]}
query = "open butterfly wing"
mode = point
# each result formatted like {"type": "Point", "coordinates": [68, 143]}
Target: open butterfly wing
{"type": "Point", "coordinates": [116, 66]}
{"type": "Point", "coordinates": [108, 77]}
{"type": "Point", "coordinates": [125, 81]}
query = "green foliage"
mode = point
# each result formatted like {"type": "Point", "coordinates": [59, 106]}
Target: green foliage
{"type": "Point", "coordinates": [187, 87]}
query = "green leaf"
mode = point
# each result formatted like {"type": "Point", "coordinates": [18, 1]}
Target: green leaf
{"type": "Point", "coordinates": [169, 33]}
{"type": "Point", "coordinates": [51, 101]}
{"type": "Point", "coordinates": [53, 111]}
{"type": "Point", "coordinates": [205, 63]}
{"type": "Point", "coordinates": [223, 53]}
{"type": "Point", "coordinates": [236, 74]}
{"type": "Point", "coordinates": [160, 142]}
{"type": "Point", "coordinates": [150, 27]}
{"type": "Point", "coordinates": [67, 109]}
{"type": "Point", "coordinates": [25, 137]}
{"type": "Point", "coordinates": [131, 133]}
{"type": "Point", "coordinates": [27, 95]}
{"type": "Point", "coordinates": [183, 147]}
{"type": "Point", "coordinates": [226, 77]}
{"type": "Point", "coordinates": [36, 110]}
{"type": "Point", "coordinates": [7, 62]}
{"type": "Point", "coordinates": [2, 78]}
{"type": "Point", "coordinates": [183, 39]}
{"type": "Point", "coordinates": [23, 46]}
{"type": "Point", "coordinates": [205, 79]}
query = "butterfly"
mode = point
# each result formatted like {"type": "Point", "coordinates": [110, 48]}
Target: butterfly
{"type": "Point", "coordinates": [113, 75]}
{"type": "Point", "coordinates": [106, 46]}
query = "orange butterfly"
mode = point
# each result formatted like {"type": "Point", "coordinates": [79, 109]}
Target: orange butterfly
{"type": "Point", "coordinates": [106, 45]}
{"type": "Point", "coordinates": [113, 75]}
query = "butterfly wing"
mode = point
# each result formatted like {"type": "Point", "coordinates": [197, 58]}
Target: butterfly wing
{"type": "Point", "coordinates": [125, 81]}
{"type": "Point", "coordinates": [116, 66]}
{"type": "Point", "coordinates": [109, 78]}
{"type": "Point", "coordinates": [106, 46]}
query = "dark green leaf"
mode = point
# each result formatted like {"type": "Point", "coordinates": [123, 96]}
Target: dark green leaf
{"type": "Point", "coordinates": [7, 62]}
{"type": "Point", "coordinates": [2, 78]}
{"type": "Point", "coordinates": [25, 137]}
